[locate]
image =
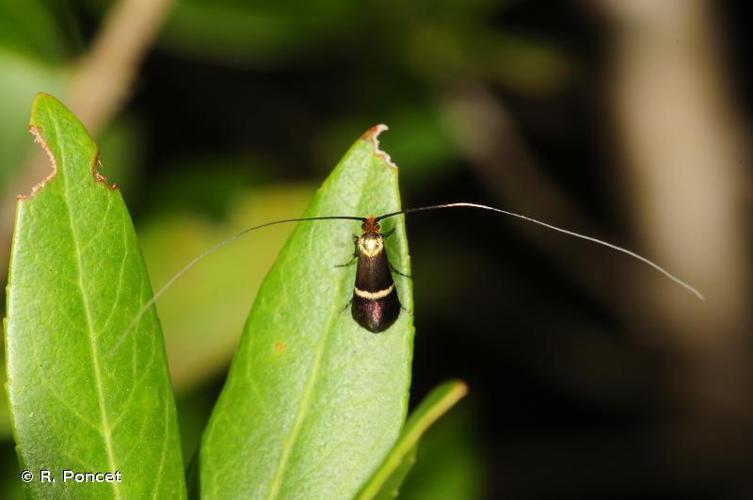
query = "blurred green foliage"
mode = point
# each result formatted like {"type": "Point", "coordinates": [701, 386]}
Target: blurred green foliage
{"type": "Point", "coordinates": [37, 29]}
{"type": "Point", "coordinates": [21, 77]}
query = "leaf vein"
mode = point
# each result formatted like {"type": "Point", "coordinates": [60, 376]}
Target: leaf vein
{"type": "Point", "coordinates": [100, 229]}
{"type": "Point", "coordinates": [106, 432]}
{"type": "Point", "coordinates": [66, 406]}
{"type": "Point", "coordinates": [120, 287]}
{"type": "Point", "coordinates": [307, 391]}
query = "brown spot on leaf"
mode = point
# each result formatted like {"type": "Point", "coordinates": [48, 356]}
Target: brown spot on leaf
{"type": "Point", "coordinates": [280, 346]}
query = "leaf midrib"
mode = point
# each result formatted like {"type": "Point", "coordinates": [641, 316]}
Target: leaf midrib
{"type": "Point", "coordinates": [106, 430]}
{"type": "Point", "coordinates": [307, 391]}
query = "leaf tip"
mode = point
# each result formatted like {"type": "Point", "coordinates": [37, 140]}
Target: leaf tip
{"type": "Point", "coordinates": [43, 107]}
{"type": "Point", "coordinates": [40, 99]}
{"type": "Point", "coordinates": [372, 135]}
{"type": "Point", "coordinates": [460, 388]}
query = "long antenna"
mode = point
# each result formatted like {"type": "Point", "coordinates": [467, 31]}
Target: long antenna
{"type": "Point", "coordinates": [207, 253]}
{"type": "Point", "coordinates": [242, 233]}
{"type": "Point", "coordinates": [641, 258]}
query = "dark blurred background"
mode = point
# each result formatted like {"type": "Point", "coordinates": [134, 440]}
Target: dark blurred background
{"type": "Point", "coordinates": [591, 376]}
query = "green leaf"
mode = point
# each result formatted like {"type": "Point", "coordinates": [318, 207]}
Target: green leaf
{"type": "Point", "coordinates": [449, 464]}
{"type": "Point", "coordinates": [76, 282]}
{"type": "Point", "coordinates": [385, 482]}
{"type": "Point", "coordinates": [313, 401]}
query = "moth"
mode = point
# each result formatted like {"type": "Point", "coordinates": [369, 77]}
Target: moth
{"type": "Point", "coordinates": [375, 304]}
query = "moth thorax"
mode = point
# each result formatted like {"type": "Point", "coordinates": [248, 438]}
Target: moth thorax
{"type": "Point", "coordinates": [370, 244]}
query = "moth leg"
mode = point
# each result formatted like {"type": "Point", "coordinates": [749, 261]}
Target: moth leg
{"type": "Point", "coordinates": [349, 263]}
{"type": "Point", "coordinates": [346, 306]}
{"type": "Point", "coordinates": [396, 271]}
{"type": "Point", "coordinates": [393, 268]}
{"type": "Point", "coordinates": [355, 254]}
